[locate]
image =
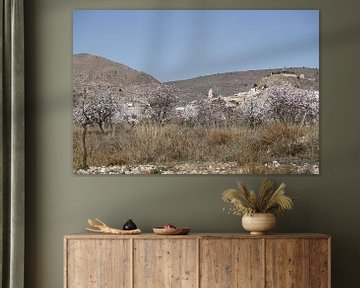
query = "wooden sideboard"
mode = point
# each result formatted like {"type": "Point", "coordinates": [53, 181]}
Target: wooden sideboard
{"type": "Point", "coordinates": [197, 260]}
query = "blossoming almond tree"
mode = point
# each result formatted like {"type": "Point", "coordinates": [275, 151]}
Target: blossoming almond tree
{"type": "Point", "coordinates": [90, 109]}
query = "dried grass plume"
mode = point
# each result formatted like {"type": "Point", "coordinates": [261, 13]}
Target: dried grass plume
{"type": "Point", "coordinates": [267, 200]}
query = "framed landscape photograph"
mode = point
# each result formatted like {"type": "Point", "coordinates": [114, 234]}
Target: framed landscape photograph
{"type": "Point", "coordinates": [196, 91]}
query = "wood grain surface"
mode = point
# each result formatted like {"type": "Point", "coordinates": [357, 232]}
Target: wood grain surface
{"type": "Point", "coordinates": [197, 260]}
{"type": "Point", "coordinates": [165, 263]}
{"type": "Point", "coordinates": [231, 263]}
{"type": "Point", "coordinates": [89, 235]}
{"type": "Point", "coordinates": [319, 263]}
{"type": "Point", "coordinates": [98, 263]}
{"type": "Point", "coordinates": [287, 263]}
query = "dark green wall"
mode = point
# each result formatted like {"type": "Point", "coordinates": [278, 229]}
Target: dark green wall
{"type": "Point", "coordinates": [59, 202]}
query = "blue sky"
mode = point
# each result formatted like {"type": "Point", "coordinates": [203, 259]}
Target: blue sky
{"type": "Point", "coordinates": [181, 44]}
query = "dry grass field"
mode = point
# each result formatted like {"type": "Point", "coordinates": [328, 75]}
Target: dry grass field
{"type": "Point", "coordinates": [275, 148]}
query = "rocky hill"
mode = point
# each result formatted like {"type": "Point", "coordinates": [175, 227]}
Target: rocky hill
{"type": "Point", "coordinates": [97, 74]}
{"type": "Point", "coordinates": [90, 68]}
{"type": "Point", "coordinates": [230, 83]}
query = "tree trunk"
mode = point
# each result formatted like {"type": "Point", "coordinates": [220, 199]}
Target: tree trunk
{"type": "Point", "coordinates": [101, 128]}
{"type": "Point", "coordinates": [113, 130]}
{"type": "Point", "coordinates": [83, 147]}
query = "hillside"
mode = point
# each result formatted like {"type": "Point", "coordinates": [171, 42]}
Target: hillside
{"type": "Point", "coordinates": [230, 83]}
{"type": "Point", "coordinates": [98, 74]}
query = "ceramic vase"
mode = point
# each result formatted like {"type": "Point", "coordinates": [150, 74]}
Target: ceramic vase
{"type": "Point", "coordinates": [259, 223]}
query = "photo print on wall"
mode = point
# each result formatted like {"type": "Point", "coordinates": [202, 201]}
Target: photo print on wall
{"type": "Point", "coordinates": [196, 92]}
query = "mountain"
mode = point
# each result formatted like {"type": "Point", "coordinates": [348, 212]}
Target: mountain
{"type": "Point", "coordinates": [96, 74]}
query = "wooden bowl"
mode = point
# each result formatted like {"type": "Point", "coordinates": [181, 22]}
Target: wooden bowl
{"type": "Point", "coordinates": [171, 231]}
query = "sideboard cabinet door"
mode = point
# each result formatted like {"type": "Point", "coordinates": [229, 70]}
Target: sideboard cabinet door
{"type": "Point", "coordinates": [231, 263]}
{"type": "Point", "coordinates": [320, 263]}
{"type": "Point", "coordinates": [98, 263]}
{"type": "Point", "coordinates": [297, 263]}
{"type": "Point", "coordinates": [165, 263]}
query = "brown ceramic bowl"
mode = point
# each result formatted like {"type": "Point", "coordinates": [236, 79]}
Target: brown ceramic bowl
{"type": "Point", "coordinates": [171, 231]}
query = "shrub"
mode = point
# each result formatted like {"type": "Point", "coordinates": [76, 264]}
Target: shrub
{"type": "Point", "coordinates": [289, 104]}
{"type": "Point", "coordinates": [218, 137]}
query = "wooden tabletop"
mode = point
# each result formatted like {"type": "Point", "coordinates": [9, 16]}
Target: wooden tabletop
{"type": "Point", "coordinates": [89, 235]}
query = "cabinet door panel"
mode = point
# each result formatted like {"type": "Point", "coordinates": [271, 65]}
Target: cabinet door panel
{"type": "Point", "coordinates": [319, 263]}
{"type": "Point", "coordinates": [287, 263]}
{"type": "Point", "coordinates": [231, 263]}
{"type": "Point", "coordinates": [166, 263]}
{"type": "Point", "coordinates": [98, 264]}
